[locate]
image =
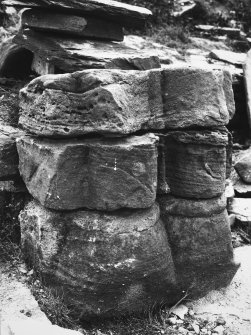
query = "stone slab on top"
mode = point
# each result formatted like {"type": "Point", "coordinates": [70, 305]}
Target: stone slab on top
{"type": "Point", "coordinates": [127, 15]}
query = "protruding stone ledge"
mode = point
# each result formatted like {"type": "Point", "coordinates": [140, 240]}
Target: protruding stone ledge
{"type": "Point", "coordinates": [103, 174]}
{"type": "Point", "coordinates": [106, 264]}
{"type": "Point", "coordinates": [115, 102]}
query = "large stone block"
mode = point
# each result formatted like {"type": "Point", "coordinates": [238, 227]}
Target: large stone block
{"type": "Point", "coordinates": [104, 102]}
{"type": "Point", "coordinates": [104, 264]}
{"type": "Point", "coordinates": [195, 163]}
{"type": "Point", "coordinates": [119, 102]}
{"type": "Point", "coordinates": [104, 174]}
{"type": "Point", "coordinates": [200, 239]}
{"type": "Point", "coordinates": [194, 97]}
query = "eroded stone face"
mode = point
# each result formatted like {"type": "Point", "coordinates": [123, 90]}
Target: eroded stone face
{"type": "Point", "coordinates": [96, 101]}
{"type": "Point", "coordinates": [194, 97]}
{"type": "Point", "coordinates": [104, 264]}
{"type": "Point", "coordinates": [200, 238]}
{"type": "Point", "coordinates": [119, 102]}
{"type": "Point", "coordinates": [104, 174]}
{"type": "Point", "coordinates": [195, 163]}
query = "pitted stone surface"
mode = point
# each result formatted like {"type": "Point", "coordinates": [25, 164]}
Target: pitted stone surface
{"type": "Point", "coordinates": [95, 101]}
{"type": "Point", "coordinates": [104, 174]}
{"type": "Point", "coordinates": [119, 102]}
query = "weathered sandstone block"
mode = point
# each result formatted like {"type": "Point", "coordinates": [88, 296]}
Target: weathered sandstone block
{"type": "Point", "coordinates": [200, 239]}
{"type": "Point", "coordinates": [105, 264]}
{"type": "Point", "coordinates": [194, 97]}
{"type": "Point", "coordinates": [105, 102]}
{"type": "Point", "coordinates": [196, 163]}
{"type": "Point", "coordinates": [119, 102]}
{"type": "Point", "coordinates": [104, 174]}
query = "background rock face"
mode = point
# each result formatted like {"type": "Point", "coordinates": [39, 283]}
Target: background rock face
{"type": "Point", "coordinates": [8, 152]}
{"type": "Point", "coordinates": [196, 163]}
{"type": "Point", "coordinates": [97, 174]}
{"type": "Point", "coordinates": [103, 264]}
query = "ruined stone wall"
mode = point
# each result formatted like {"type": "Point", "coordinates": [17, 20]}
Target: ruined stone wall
{"type": "Point", "coordinates": [125, 162]}
{"type": "Point", "coordinates": [127, 170]}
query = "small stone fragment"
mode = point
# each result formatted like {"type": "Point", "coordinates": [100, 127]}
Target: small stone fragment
{"type": "Point", "coordinates": [218, 330]}
{"type": "Point", "coordinates": [172, 321]}
{"type": "Point", "coordinates": [196, 328]}
{"type": "Point", "coordinates": [243, 166]}
{"type": "Point", "coordinates": [180, 311]}
{"type": "Point", "coordinates": [220, 321]}
{"type": "Point", "coordinates": [182, 330]}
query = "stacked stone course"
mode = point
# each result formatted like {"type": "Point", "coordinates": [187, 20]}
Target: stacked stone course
{"type": "Point", "coordinates": [124, 221]}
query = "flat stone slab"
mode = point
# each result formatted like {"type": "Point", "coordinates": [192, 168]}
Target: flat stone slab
{"type": "Point", "coordinates": [87, 26]}
{"type": "Point", "coordinates": [98, 174]}
{"type": "Point", "coordinates": [120, 102]}
{"type": "Point", "coordinates": [106, 264]}
{"type": "Point", "coordinates": [28, 326]}
{"type": "Point", "coordinates": [16, 298]}
{"type": "Point", "coordinates": [233, 302]}
{"type": "Point", "coordinates": [231, 57]}
{"type": "Point", "coordinates": [68, 54]}
{"type": "Point", "coordinates": [128, 15]}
